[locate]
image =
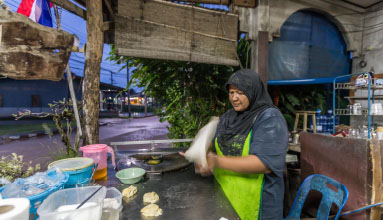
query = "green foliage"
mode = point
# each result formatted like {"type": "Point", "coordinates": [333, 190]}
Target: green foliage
{"type": "Point", "coordinates": [13, 167]}
{"type": "Point", "coordinates": [304, 97]}
{"type": "Point", "coordinates": [190, 93]}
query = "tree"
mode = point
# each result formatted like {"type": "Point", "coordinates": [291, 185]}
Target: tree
{"type": "Point", "coordinates": [61, 112]}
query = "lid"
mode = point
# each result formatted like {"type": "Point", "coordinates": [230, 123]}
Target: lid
{"type": "Point", "coordinates": [94, 147]}
{"type": "Point", "coordinates": [75, 163]}
{"type": "Point", "coordinates": [318, 111]}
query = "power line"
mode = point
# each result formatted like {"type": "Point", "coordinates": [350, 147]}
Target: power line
{"type": "Point", "coordinates": [11, 4]}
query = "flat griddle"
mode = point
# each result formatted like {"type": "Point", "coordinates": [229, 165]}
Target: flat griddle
{"type": "Point", "coordinates": [169, 162]}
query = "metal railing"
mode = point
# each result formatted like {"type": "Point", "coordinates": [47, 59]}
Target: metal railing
{"type": "Point", "coordinates": [152, 142]}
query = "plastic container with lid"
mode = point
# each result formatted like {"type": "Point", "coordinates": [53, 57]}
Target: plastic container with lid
{"type": "Point", "coordinates": [112, 204]}
{"type": "Point", "coordinates": [79, 170]}
{"type": "Point", "coordinates": [98, 152]}
{"type": "Point", "coordinates": [379, 132]}
{"type": "Point", "coordinates": [62, 204]}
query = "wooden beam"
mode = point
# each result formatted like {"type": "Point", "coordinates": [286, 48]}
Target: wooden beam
{"type": "Point", "coordinates": [245, 3]}
{"type": "Point", "coordinates": [81, 2]}
{"type": "Point", "coordinates": [107, 25]}
{"type": "Point", "coordinates": [29, 50]}
{"type": "Point", "coordinates": [216, 2]}
{"type": "Point", "coordinates": [108, 4]}
{"type": "Point", "coordinates": [70, 7]}
{"type": "Point", "coordinates": [25, 63]}
{"type": "Point", "coordinates": [186, 33]}
{"type": "Point", "coordinates": [241, 3]}
{"type": "Point", "coordinates": [181, 16]}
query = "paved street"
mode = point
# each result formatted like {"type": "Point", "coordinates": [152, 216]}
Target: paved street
{"type": "Point", "coordinates": [41, 148]}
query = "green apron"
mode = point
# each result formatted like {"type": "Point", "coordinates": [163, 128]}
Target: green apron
{"type": "Point", "coordinates": [244, 191]}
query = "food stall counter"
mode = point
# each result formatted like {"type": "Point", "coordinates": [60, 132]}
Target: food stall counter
{"type": "Point", "coordinates": [183, 195]}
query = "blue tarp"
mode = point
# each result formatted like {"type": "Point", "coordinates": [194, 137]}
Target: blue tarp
{"type": "Point", "coordinates": [311, 50]}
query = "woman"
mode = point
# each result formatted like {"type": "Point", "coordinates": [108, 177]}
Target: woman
{"type": "Point", "coordinates": [249, 150]}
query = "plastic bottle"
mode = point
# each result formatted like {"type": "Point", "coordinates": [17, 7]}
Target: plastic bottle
{"type": "Point", "coordinates": [318, 120]}
{"type": "Point", "coordinates": [329, 121]}
{"type": "Point", "coordinates": [311, 125]}
{"type": "Point", "coordinates": [324, 123]}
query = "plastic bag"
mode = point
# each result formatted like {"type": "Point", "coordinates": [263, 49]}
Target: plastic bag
{"type": "Point", "coordinates": [197, 151]}
{"type": "Point", "coordinates": [38, 183]}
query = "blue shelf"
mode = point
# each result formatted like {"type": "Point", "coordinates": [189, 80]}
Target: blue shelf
{"type": "Point", "coordinates": [339, 86]}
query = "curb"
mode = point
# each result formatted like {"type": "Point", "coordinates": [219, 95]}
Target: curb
{"type": "Point", "coordinates": [13, 137]}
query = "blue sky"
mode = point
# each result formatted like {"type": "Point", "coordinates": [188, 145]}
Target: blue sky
{"type": "Point", "coordinates": [76, 25]}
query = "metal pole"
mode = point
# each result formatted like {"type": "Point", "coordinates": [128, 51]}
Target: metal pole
{"type": "Point", "coordinates": [73, 96]}
{"type": "Point", "coordinates": [127, 83]}
{"type": "Point", "coordinates": [369, 105]}
{"type": "Point", "coordinates": [146, 105]}
{"type": "Point", "coordinates": [70, 81]}
{"type": "Point", "coordinates": [333, 106]}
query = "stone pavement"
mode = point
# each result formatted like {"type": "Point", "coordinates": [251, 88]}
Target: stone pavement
{"type": "Point", "coordinates": [41, 148]}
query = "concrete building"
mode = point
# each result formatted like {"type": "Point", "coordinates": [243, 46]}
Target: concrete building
{"type": "Point", "coordinates": [34, 95]}
{"type": "Point", "coordinates": [358, 21]}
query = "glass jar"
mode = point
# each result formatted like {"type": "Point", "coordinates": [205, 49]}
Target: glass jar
{"type": "Point", "coordinates": [357, 109]}
{"type": "Point", "coordinates": [350, 109]}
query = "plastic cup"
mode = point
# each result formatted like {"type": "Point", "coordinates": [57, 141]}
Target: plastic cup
{"type": "Point", "coordinates": [379, 132]}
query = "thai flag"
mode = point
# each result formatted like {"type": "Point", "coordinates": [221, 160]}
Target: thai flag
{"type": "Point", "coordinates": [37, 10]}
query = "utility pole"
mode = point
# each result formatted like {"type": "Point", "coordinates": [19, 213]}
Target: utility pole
{"type": "Point", "coordinates": [127, 83]}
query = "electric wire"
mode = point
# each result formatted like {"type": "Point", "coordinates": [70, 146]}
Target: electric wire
{"type": "Point", "coordinates": [11, 4]}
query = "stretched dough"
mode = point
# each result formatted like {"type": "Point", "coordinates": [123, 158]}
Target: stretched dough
{"type": "Point", "coordinates": [151, 210]}
{"type": "Point", "coordinates": [129, 192]}
{"type": "Point", "coordinates": [197, 151]}
{"type": "Point", "coordinates": [151, 197]}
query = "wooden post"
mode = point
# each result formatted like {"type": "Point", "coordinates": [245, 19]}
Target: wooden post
{"type": "Point", "coordinates": [260, 54]}
{"type": "Point", "coordinates": [91, 83]}
{"type": "Point", "coordinates": [377, 186]}
{"type": "Point", "coordinates": [263, 56]}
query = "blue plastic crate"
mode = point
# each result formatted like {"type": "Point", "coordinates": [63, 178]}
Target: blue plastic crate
{"type": "Point", "coordinates": [37, 200]}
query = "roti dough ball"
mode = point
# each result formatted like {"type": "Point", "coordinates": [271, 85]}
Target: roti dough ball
{"type": "Point", "coordinates": [151, 197]}
{"type": "Point", "coordinates": [129, 192]}
{"type": "Point", "coordinates": [151, 210]}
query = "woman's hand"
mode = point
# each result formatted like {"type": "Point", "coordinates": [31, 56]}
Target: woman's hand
{"type": "Point", "coordinates": [211, 159]}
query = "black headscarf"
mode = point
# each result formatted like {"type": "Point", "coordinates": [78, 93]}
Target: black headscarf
{"type": "Point", "coordinates": [233, 126]}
